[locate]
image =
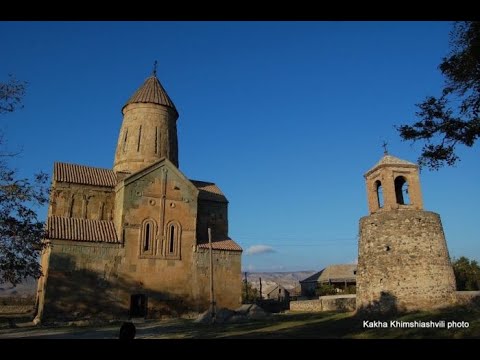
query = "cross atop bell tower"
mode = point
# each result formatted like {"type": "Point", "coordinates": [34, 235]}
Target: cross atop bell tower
{"type": "Point", "coordinates": [385, 150]}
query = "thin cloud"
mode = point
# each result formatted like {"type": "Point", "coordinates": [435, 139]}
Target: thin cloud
{"type": "Point", "coordinates": [259, 249]}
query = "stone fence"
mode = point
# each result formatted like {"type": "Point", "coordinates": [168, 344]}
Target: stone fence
{"type": "Point", "coordinates": [347, 302]}
{"type": "Point", "coordinates": [325, 303]}
{"type": "Point", "coordinates": [467, 297]}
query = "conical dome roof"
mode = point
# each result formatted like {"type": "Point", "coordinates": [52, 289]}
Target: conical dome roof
{"type": "Point", "coordinates": [151, 92]}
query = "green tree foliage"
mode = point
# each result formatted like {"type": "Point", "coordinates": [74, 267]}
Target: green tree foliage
{"type": "Point", "coordinates": [351, 289]}
{"type": "Point", "coordinates": [21, 233]}
{"type": "Point", "coordinates": [249, 293]}
{"type": "Point", "coordinates": [325, 289]}
{"type": "Point", "coordinates": [467, 274]}
{"type": "Point", "coordinates": [451, 119]}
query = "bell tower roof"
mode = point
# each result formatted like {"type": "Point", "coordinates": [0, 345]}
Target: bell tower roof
{"type": "Point", "coordinates": [390, 160]}
{"type": "Point", "coordinates": [151, 92]}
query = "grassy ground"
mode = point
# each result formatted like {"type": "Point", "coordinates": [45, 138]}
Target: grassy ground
{"type": "Point", "coordinates": [346, 325]}
{"type": "Point", "coordinates": [280, 326]}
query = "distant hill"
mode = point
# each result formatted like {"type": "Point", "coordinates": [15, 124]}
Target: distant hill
{"type": "Point", "coordinates": [26, 288]}
{"type": "Point", "coordinates": [289, 280]}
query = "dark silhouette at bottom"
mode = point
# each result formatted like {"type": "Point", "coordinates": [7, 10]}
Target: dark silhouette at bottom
{"type": "Point", "coordinates": [127, 331]}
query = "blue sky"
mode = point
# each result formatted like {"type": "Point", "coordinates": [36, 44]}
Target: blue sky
{"type": "Point", "coordinates": [285, 116]}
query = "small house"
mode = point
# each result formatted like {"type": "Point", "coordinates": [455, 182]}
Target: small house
{"type": "Point", "coordinates": [340, 276]}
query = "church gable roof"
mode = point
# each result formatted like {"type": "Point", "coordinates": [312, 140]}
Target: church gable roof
{"type": "Point", "coordinates": [152, 92]}
{"type": "Point", "coordinates": [209, 191]}
{"type": "Point", "coordinates": [81, 174]}
{"type": "Point", "coordinates": [163, 162]}
{"type": "Point", "coordinates": [76, 229]}
{"type": "Point", "coordinates": [226, 244]}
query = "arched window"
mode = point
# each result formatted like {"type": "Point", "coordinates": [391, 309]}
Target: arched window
{"type": "Point", "coordinates": [172, 246]}
{"type": "Point", "coordinates": [147, 237]}
{"type": "Point", "coordinates": [72, 206]}
{"type": "Point", "coordinates": [401, 191]}
{"type": "Point", "coordinates": [139, 137]}
{"type": "Point", "coordinates": [125, 141]}
{"type": "Point", "coordinates": [146, 242]}
{"type": "Point", "coordinates": [379, 191]}
{"type": "Point", "coordinates": [171, 240]}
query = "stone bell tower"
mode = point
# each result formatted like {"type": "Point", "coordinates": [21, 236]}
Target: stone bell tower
{"type": "Point", "coordinates": [403, 260]}
{"type": "Point", "coordinates": [149, 128]}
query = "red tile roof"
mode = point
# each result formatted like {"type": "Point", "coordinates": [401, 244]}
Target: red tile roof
{"type": "Point", "coordinates": [151, 92]}
{"type": "Point", "coordinates": [80, 174]}
{"type": "Point", "coordinates": [227, 244]}
{"type": "Point", "coordinates": [209, 191]}
{"type": "Point", "coordinates": [75, 229]}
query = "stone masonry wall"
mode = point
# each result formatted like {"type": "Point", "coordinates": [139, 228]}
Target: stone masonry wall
{"type": "Point", "coordinates": [81, 281]}
{"type": "Point", "coordinates": [98, 279]}
{"type": "Point", "coordinates": [215, 215]}
{"type": "Point", "coordinates": [227, 278]}
{"type": "Point", "coordinates": [81, 201]}
{"type": "Point", "coordinates": [148, 133]}
{"type": "Point", "coordinates": [177, 281]}
{"type": "Point", "coordinates": [162, 197]}
{"type": "Point", "coordinates": [403, 262]}
{"type": "Point", "coordinates": [306, 305]}
{"type": "Point", "coordinates": [325, 303]}
{"type": "Point", "coordinates": [468, 297]}
{"type": "Point", "coordinates": [386, 176]}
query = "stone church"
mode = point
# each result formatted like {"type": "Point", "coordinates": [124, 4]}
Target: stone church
{"type": "Point", "coordinates": [133, 240]}
{"type": "Point", "coordinates": [403, 260]}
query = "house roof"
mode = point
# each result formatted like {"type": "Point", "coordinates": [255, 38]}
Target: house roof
{"type": "Point", "coordinates": [152, 92]}
{"type": "Point", "coordinates": [227, 244]}
{"type": "Point", "coordinates": [334, 273]}
{"type": "Point", "coordinates": [391, 160]}
{"type": "Point", "coordinates": [81, 174]}
{"type": "Point", "coordinates": [75, 229]}
{"type": "Point", "coordinates": [269, 289]}
{"type": "Point", "coordinates": [209, 191]}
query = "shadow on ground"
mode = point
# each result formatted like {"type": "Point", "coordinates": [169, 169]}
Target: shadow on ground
{"type": "Point", "coordinates": [327, 325]}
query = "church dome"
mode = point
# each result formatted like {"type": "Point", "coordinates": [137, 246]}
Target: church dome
{"type": "Point", "coordinates": [151, 92]}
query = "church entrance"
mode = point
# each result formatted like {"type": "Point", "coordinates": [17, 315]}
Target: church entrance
{"type": "Point", "coordinates": [138, 305]}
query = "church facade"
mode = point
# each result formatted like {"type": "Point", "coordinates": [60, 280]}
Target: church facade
{"type": "Point", "coordinates": [134, 239]}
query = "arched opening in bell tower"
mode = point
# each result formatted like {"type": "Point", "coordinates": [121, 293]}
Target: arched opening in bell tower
{"type": "Point", "coordinates": [379, 191]}
{"type": "Point", "coordinates": [401, 191]}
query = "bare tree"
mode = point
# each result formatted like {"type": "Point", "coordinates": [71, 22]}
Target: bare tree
{"type": "Point", "coordinates": [21, 232]}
